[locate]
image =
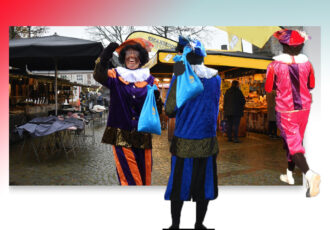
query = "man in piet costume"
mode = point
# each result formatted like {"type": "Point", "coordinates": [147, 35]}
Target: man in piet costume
{"type": "Point", "coordinates": [128, 90]}
{"type": "Point", "coordinates": [292, 76]}
{"type": "Point", "coordinates": [194, 147]}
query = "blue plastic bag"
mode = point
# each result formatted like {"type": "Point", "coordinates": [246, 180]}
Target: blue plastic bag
{"type": "Point", "coordinates": [149, 118]}
{"type": "Point", "coordinates": [188, 84]}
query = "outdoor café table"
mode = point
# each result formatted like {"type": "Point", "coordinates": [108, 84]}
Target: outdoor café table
{"type": "Point", "coordinates": [46, 126]}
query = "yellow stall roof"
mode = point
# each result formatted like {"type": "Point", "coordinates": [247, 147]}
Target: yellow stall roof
{"type": "Point", "coordinates": [231, 64]}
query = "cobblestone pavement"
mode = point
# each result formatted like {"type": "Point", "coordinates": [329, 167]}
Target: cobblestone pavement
{"type": "Point", "coordinates": [258, 160]}
{"type": "Point", "coordinates": [93, 165]}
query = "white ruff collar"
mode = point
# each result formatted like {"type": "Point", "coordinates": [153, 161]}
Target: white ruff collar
{"type": "Point", "coordinates": [286, 58]}
{"type": "Point", "coordinates": [133, 76]}
{"type": "Point", "coordinates": [204, 72]}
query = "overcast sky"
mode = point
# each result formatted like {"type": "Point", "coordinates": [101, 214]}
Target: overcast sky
{"type": "Point", "coordinates": [214, 40]}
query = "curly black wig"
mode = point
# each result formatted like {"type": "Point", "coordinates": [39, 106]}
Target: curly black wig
{"type": "Point", "coordinates": [292, 50]}
{"type": "Point", "coordinates": [143, 54]}
{"type": "Point", "coordinates": [179, 48]}
{"type": "Point", "coordinates": [192, 58]}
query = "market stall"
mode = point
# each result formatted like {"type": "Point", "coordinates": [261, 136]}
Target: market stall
{"type": "Point", "coordinates": [255, 112]}
{"type": "Point", "coordinates": [33, 96]}
{"type": "Point", "coordinates": [37, 95]}
{"type": "Point", "coordinates": [53, 53]}
{"type": "Point", "coordinates": [248, 69]}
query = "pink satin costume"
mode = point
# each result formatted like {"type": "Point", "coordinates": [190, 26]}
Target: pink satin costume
{"type": "Point", "coordinates": [292, 81]}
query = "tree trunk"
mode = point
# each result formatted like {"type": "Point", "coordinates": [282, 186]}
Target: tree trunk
{"type": "Point", "coordinates": [12, 32]}
{"type": "Point", "coordinates": [29, 31]}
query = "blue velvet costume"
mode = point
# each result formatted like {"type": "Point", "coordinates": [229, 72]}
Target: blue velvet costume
{"type": "Point", "coordinates": [197, 118]}
{"type": "Point", "coordinates": [194, 146]}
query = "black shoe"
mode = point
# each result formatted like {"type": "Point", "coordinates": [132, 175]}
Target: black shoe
{"type": "Point", "coordinates": [229, 140]}
{"type": "Point", "coordinates": [200, 226]}
{"type": "Point", "coordinates": [237, 141]}
{"type": "Point", "coordinates": [174, 227]}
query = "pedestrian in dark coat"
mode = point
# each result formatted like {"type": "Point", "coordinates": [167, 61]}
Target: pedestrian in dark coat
{"type": "Point", "coordinates": [233, 107]}
{"type": "Point", "coordinates": [271, 115]}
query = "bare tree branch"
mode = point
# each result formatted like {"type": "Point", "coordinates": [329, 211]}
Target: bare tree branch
{"type": "Point", "coordinates": [110, 33]}
{"type": "Point", "coordinates": [174, 31]}
{"type": "Point", "coordinates": [27, 31]}
{"type": "Point", "coordinates": [106, 34]}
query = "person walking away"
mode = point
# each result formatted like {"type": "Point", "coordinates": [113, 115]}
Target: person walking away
{"type": "Point", "coordinates": [233, 107]}
{"type": "Point", "coordinates": [194, 147]}
{"type": "Point", "coordinates": [292, 76]}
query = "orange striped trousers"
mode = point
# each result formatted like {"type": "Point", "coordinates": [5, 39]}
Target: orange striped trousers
{"type": "Point", "coordinates": [133, 165]}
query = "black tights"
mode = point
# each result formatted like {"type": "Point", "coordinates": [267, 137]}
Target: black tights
{"type": "Point", "coordinates": [176, 207]}
{"type": "Point", "coordinates": [299, 160]}
{"type": "Point", "coordinates": [201, 208]}
{"type": "Point", "coordinates": [291, 165]}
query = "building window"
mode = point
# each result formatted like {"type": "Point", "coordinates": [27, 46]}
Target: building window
{"type": "Point", "coordinates": [64, 77]}
{"type": "Point", "coordinates": [79, 77]}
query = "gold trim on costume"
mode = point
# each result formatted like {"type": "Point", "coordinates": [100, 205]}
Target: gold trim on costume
{"type": "Point", "coordinates": [125, 138]}
{"type": "Point", "coordinates": [187, 148]}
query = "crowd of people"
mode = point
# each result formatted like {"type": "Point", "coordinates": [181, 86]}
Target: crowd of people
{"type": "Point", "coordinates": [91, 98]}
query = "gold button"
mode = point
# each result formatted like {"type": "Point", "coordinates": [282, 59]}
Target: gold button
{"type": "Point", "coordinates": [133, 118]}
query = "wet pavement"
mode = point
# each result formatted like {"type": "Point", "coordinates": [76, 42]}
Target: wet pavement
{"type": "Point", "coordinates": [92, 165]}
{"type": "Point", "coordinates": [258, 160]}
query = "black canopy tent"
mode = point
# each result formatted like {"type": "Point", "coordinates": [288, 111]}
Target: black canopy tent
{"type": "Point", "coordinates": [53, 53]}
